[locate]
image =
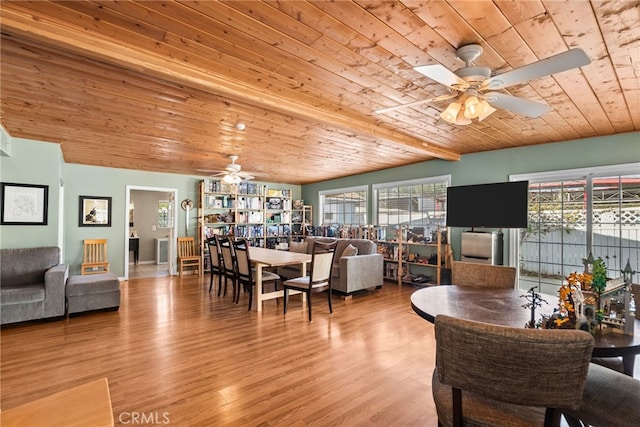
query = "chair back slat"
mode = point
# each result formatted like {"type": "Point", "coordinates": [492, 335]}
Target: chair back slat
{"type": "Point", "coordinates": [94, 257]}
{"type": "Point", "coordinates": [95, 250]}
{"type": "Point", "coordinates": [187, 247]}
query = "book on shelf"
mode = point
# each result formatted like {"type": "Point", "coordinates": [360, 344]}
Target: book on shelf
{"type": "Point", "coordinates": [217, 186]}
{"type": "Point", "coordinates": [250, 188]}
{"type": "Point", "coordinates": [249, 217]}
{"type": "Point", "coordinates": [273, 230]}
{"type": "Point", "coordinates": [274, 218]}
{"type": "Point", "coordinates": [249, 231]}
{"type": "Point", "coordinates": [274, 192]}
{"type": "Point", "coordinates": [275, 242]}
{"type": "Point", "coordinates": [210, 232]}
{"type": "Point", "coordinates": [212, 201]}
{"type": "Point", "coordinates": [255, 217]}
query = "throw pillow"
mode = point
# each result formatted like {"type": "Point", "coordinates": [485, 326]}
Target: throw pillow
{"type": "Point", "coordinates": [299, 247]}
{"type": "Point", "coordinates": [350, 251]}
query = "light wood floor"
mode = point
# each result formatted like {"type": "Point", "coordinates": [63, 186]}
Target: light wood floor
{"type": "Point", "coordinates": [174, 352]}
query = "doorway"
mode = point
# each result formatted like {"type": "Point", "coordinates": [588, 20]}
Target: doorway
{"type": "Point", "coordinates": [151, 227]}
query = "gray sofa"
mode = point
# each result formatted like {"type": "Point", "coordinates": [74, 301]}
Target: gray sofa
{"type": "Point", "coordinates": [32, 284]}
{"type": "Point", "coordinates": [350, 273]}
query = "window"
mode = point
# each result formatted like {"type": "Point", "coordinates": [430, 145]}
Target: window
{"type": "Point", "coordinates": [574, 213]}
{"type": "Point", "coordinates": [347, 206]}
{"type": "Point", "coordinates": [415, 203]}
{"type": "Point", "coordinates": [163, 214]}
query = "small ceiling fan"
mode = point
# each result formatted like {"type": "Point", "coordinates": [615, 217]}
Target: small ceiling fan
{"type": "Point", "coordinates": [474, 88]}
{"type": "Point", "coordinates": [233, 173]}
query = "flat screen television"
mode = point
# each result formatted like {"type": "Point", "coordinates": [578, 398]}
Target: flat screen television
{"type": "Point", "coordinates": [497, 205]}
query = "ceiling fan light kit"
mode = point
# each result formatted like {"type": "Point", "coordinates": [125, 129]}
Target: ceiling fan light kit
{"type": "Point", "coordinates": [469, 83]}
{"type": "Point", "coordinates": [231, 179]}
{"type": "Point", "coordinates": [451, 112]}
{"type": "Point", "coordinates": [485, 110]}
{"type": "Point", "coordinates": [233, 173]}
{"type": "Point", "coordinates": [471, 107]}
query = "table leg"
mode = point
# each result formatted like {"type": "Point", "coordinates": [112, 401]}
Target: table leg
{"type": "Point", "coordinates": [257, 297]}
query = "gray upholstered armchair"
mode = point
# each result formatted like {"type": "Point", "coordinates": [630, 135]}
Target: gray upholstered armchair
{"type": "Point", "coordinates": [32, 284]}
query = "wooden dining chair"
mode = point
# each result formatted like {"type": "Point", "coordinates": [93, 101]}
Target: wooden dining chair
{"type": "Point", "coordinates": [216, 263]}
{"type": "Point", "coordinates": [188, 255]}
{"type": "Point", "coordinates": [228, 263]}
{"type": "Point", "coordinates": [482, 275]}
{"type": "Point", "coordinates": [496, 375]}
{"type": "Point", "coordinates": [245, 274]}
{"type": "Point", "coordinates": [94, 260]}
{"type": "Point", "coordinates": [319, 279]}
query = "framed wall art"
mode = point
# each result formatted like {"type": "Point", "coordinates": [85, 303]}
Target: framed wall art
{"type": "Point", "coordinates": [24, 204]}
{"type": "Point", "coordinates": [95, 211]}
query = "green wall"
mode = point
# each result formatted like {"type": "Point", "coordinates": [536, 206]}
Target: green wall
{"type": "Point", "coordinates": [41, 163]}
{"type": "Point", "coordinates": [33, 163]}
{"type": "Point", "coordinates": [495, 166]}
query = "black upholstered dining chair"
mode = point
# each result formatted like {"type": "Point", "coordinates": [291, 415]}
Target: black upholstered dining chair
{"type": "Point", "coordinates": [216, 263]}
{"type": "Point", "coordinates": [496, 375]}
{"type": "Point", "coordinates": [319, 279]}
{"type": "Point", "coordinates": [245, 274]}
{"type": "Point", "coordinates": [228, 263]}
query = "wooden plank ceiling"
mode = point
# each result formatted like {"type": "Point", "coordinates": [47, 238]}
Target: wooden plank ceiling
{"type": "Point", "coordinates": [160, 85]}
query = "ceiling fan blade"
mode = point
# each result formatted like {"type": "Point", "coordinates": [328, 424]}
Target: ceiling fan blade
{"type": "Point", "coordinates": [443, 75]}
{"type": "Point", "coordinates": [517, 105]}
{"type": "Point", "coordinates": [252, 174]}
{"type": "Point", "coordinates": [569, 60]}
{"type": "Point", "coordinates": [212, 172]}
{"type": "Point", "coordinates": [413, 104]}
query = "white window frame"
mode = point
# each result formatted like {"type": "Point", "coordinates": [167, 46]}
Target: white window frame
{"type": "Point", "coordinates": [359, 188]}
{"type": "Point", "coordinates": [564, 175]}
{"type": "Point", "coordinates": [404, 183]}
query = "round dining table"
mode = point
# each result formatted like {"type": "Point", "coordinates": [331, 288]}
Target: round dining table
{"type": "Point", "coordinates": [505, 307]}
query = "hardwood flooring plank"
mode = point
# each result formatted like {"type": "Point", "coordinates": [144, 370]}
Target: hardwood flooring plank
{"type": "Point", "coordinates": [173, 350]}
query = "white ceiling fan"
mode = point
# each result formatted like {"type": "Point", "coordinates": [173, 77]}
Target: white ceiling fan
{"type": "Point", "coordinates": [233, 173]}
{"type": "Point", "coordinates": [474, 88]}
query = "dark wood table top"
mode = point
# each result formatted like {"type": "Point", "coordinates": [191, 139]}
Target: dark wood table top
{"type": "Point", "coordinates": [489, 305]}
{"type": "Point", "coordinates": [504, 307]}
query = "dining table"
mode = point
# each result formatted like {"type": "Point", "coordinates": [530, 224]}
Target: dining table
{"type": "Point", "coordinates": [505, 307]}
{"type": "Point", "coordinates": [268, 258]}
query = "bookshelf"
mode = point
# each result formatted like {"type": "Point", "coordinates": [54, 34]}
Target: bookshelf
{"type": "Point", "coordinates": [248, 210]}
{"type": "Point", "coordinates": [277, 217]}
{"type": "Point", "coordinates": [301, 219]}
{"type": "Point", "coordinates": [414, 257]}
